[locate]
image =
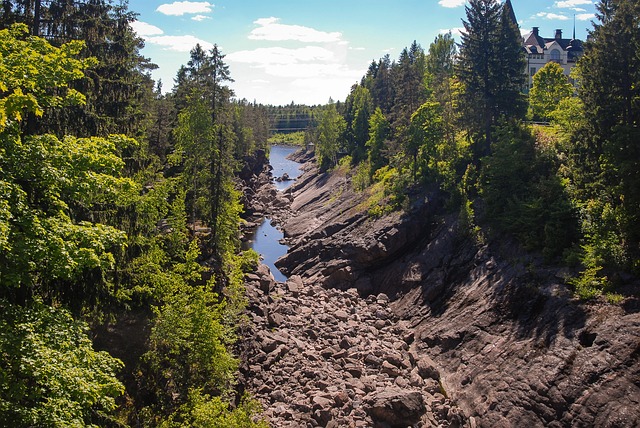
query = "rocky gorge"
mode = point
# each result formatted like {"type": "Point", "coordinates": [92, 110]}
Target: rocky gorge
{"type": "Point", "coordinates": [405, 320]}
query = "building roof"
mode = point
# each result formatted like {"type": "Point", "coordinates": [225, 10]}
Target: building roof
{"type": "Point", "coordinates": [534, 43]}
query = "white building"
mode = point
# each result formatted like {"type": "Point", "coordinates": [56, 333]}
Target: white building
{"type": "Point", "coordinates": [540, 51]}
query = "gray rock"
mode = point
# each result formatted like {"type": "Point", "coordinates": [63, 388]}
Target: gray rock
{"type": "Point", "coordinates": [396, 407]}
{"type": "Point", "coordinates": [427, 368]}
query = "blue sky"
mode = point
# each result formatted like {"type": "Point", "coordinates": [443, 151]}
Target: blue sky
{"type": "Point", "coordinates": [306, 51]}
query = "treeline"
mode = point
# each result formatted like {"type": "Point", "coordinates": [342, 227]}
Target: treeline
{"type": "Point", "coordinates": [118, 204]}
{"type": "Point", "coordinates": [454, 119]}
{"type": "Point", "coordinates": [291, 118]}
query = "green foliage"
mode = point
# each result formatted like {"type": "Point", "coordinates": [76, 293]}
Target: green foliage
{"type": "Point", "coordinates": [550, 87]}
{"type": "Point", "coordinates": [589, 284]}
{"type": "Point", "coordinates": [116, 87]}
{"type": "Point", "coordinates": [359, 108]}
{"type": "Point", "coordinates": [603, 154]}
{"type": "Point", "coordinates": [409, 88]}
{"type": "Point", "coordinates": [203, 411]}
{"type": "Point", "coordinates": [30, 70]}
{"type": "Point", "coordinates": [440, 60]}
{"type": "Point", "coordinates": [568, 115]}
{"type": "Point", "coordinates": [77, 232]}
{"type": "Point", "coordinates": [188, 347]}
{"type": "Point", "coordinates": [426, 134]}
{"type": "Point", "coordinates": [50, 375]}
{"type": "Point", "coordinates": [330, 132]}
{"type": "Point", "coordinates": [387, 193]}
{"type": "Point", "coordinates": [379, 132]}
{"type": "Point", "coordinates": [523, 194]}
{"type": "Point", "coordinates": [490, 67]}
{"type": "Point", "coordinates": [361, 177]}
{"type": "Point", "coordinates": [61, 195]}
{"type": "Point", "coordinates": [290, 139]}
{"type": "Point", "coordinates": [467, 225]}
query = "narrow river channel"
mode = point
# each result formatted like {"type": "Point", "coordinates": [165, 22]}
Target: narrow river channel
{"type": "Point", "coordinates": [266, 238]}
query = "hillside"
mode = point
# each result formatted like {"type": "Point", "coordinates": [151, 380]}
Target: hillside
{"type": "Point", "coordinates": [371, 300]}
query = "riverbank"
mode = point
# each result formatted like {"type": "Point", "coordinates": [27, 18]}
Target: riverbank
{"type": "Point", "coordinates": [509, 344]}
{"type": "Point", "coordinates": [316, 356]}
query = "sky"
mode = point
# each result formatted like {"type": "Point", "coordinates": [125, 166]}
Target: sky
{"type": "Point", "coordinates": [307, 51]}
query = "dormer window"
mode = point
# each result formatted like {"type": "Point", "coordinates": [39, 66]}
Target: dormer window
{"type": "Point", "coordinates": [555, 55]}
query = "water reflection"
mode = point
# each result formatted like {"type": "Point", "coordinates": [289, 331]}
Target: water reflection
{"type": "Point", "coordinates": [266, 242]}
{"type": "Point", "coordinates": [281, 165]}
{"type": "Point", "coordinates": [266, 238]}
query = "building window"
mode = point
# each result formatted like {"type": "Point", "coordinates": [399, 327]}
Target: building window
{"type": "Point", "coordinates": [555, 55]}
{"type": "Point", "coordinates": [533, 71]}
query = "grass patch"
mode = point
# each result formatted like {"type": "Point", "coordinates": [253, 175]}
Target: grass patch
{"type": "Point", "coordinates": [290, 139]}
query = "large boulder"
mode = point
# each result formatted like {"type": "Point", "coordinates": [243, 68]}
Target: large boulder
{"type": "Point", "coordinates": [396, 407]}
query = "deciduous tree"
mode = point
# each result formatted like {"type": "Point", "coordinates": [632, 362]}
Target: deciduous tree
{"type": "Point", "coordinates": [550, 86]}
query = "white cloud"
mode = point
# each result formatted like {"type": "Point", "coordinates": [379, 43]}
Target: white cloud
{"type": "Point", "coordinates": [585, 16]}
{"type": "Point", "coordinates": [282, 56]}
{"type": "Point", "coordinates": [143, 29]}
{"type": "Point", "coordinates": [178, 43]}
{"type": "Point", "coordinates": [179, 8]}
{"type": "Point", "coordinates": [200, 18]}
{"type": "Point", "coordinates": [571, 3]}
{"type": "Point", "coordinates": [309, 74]}
{"type": "Point", "coordinates": [270, 29]}
{"type": "Point", "coordinates": [451, 3]}
{"type": "Point", "coordinates": [549, 15]}
{"type": "Point", "coordinates": [455, 32]}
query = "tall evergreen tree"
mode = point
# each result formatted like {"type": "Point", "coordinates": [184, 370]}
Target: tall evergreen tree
{"type": "Point", "coordinates": [440, 69]}
{"type": "Point", "coordinates": [202, 82]}
{"type": "Point", "coordinates": [607, 154]}
{"type": "Point", "coordinates": [491, 68]}
{"type": "Point", "coordinates": [116, 89]}
{"type": "Point", "coordinates": [379, 82]}
{"type": "Point", "coordinates": [359, 107]}
{"type": "Point", "coordinates": [410, 91]}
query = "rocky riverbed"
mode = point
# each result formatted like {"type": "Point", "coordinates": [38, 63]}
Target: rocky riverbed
{"type": "Point", "coordinates": [405, 321]}
{"type": "Point", "coordinates": [328, 357]}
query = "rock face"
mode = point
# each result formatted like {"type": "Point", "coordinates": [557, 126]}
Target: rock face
{"type": "Point", "coordinates": [379, 313]}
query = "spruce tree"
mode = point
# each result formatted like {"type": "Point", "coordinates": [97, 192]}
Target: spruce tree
{"type": "Point", "coordinates": [607, 154]}
{"type": "Point", "coordinates": [117, 89]}
{"type": "Point", "coordinates": [491, 68]}
{"type": "Point", "coordinates": [359, 106]}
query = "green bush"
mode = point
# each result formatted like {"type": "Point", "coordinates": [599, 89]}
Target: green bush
{"type": "Point", "coordinates": [50, 374]}
{"type": "Point", "coordinates": [523, 194]}
{"type": "Point", "coordinates": [203, 411]}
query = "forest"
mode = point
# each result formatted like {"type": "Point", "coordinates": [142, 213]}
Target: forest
{"type": "Point", "coordinates": [120, 204]}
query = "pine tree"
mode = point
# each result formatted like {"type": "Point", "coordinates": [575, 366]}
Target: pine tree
{"type": "Point", "coordinates": [202, 82]}
{"type": "Point", "coordinates": [408, 79]}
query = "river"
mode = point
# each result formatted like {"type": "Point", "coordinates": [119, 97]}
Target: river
{"type": "Point", "coordinates": [266, 238]}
